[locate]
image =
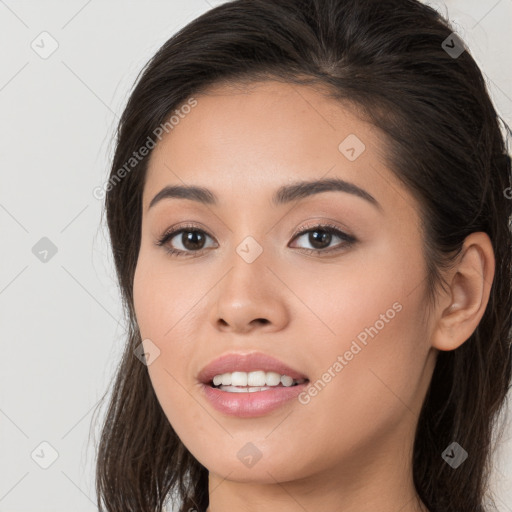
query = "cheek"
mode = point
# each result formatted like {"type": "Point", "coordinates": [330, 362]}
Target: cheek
{"type": "Point", "coordinates": [163, 298]}
{"type": "Point", "coordinates": [343, 298]}
{"type": "Point", "coordinates": [164, 308]}
{"type": "Point", "coordinates": [363, 390]}
{"type": "Point", "coordinates": [366, 342]}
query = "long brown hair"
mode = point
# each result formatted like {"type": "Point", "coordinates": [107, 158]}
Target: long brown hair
{"type": "Point", "coordinates": [394, 60]}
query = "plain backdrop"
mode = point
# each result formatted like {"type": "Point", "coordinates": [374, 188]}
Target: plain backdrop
{"type": "Point", "coordinates": [60, 314]}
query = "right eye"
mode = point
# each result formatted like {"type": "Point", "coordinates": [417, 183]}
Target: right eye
{"type": "Point", "coordinates": [192, 240]}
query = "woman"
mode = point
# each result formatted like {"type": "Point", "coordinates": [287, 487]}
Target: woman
{"type": "Point", "coordinates": [309, 212]}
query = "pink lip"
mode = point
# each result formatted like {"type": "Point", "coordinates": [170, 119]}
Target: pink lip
{"type": "Point", "coordinates": [249, 404]}
{"type": "Point", "coordinates": [246, 363]}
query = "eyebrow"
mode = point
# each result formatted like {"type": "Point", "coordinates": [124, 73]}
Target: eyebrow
{"type": "Point", "coordinates": [283, 195]}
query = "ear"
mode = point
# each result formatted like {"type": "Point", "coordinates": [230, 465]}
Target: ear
{"type": "Point", "coordinates": [470, 285]}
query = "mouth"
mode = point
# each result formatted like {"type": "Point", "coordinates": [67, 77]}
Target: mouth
{"type": "Point", "coordinates": [248, 385]}
{"type": "Point", "coordinates": [255, 381]}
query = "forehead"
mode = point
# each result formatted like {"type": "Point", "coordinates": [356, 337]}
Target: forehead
{"type": "Point", "coordinates": [261, 135]}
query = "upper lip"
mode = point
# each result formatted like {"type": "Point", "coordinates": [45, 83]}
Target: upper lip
{"type": "Point", "coordinates": [237, 362]}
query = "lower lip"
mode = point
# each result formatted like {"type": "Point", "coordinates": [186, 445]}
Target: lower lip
{"type": "Point", "coordinates": [251, 404]}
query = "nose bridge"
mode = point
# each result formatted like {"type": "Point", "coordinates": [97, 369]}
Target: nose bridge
{"type": "Point", "coordinates": [249, 290]}
{"type": "Point", "coordinates": [248, 241]}
{"type": "Point", "coordinates": [248, 275]}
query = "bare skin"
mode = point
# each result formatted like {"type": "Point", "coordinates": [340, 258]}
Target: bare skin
{"type": "Point", "coordinates": [350, 447]}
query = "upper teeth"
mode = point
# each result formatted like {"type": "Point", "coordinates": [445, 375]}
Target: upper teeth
{"type": "Point", "coordinates": [257, 378]}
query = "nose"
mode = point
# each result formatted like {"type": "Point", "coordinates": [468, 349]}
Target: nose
{"type": "Point", "coordinates": [250, 297]}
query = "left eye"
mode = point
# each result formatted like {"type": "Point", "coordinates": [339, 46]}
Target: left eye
{"type": "Point", "coordinates": [321, 236]}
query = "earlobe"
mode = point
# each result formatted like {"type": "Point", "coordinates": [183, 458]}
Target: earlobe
{"type": "Point", "coordinates": [470, 286]}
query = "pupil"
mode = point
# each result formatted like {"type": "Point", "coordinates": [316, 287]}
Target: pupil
{"type": "Point", "coordinates": [325, 238]}
{"type": "Point", "coordinates": [189, 239]}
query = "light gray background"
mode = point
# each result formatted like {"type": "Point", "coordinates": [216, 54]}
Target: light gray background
{"type": "Point", "coordinates": [61, 322]}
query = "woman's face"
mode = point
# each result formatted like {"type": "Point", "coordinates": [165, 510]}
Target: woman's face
{"type": "Point", "coordinates": [347, 313]}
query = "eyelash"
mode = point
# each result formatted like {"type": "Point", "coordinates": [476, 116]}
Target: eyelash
{"type": "Point", "coordinates": [327, 228]}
